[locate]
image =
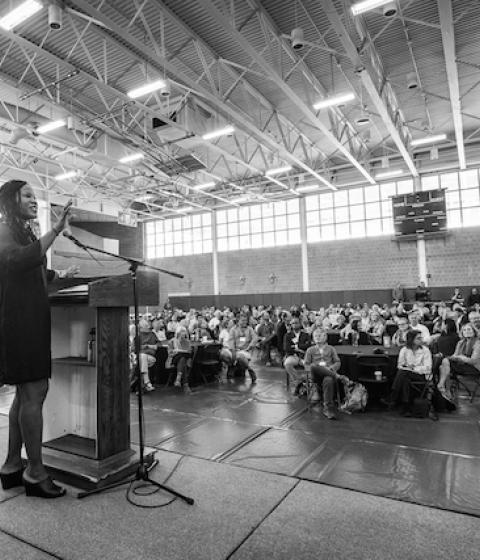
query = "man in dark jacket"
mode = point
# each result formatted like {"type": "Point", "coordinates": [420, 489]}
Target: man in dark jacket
{"type": "Point", "coordinates": [295, 344]}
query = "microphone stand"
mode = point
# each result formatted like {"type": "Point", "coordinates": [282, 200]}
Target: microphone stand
{"type": "Point", "coordinates": [142, 470]}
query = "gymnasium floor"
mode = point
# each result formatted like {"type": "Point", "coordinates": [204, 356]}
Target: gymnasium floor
{"type": "Point", "coordinates": [270, 479]}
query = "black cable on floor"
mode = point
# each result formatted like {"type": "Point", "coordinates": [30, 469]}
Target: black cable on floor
{"type": "Point", "coordinates": [131, 490]}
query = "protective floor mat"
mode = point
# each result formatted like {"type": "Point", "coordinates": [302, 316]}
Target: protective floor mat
{"type": "Point", "coordinates": [437, 478]}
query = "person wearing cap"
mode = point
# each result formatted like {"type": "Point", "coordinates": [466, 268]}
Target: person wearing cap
{"type": "Point", "coordinates": [25, 315]}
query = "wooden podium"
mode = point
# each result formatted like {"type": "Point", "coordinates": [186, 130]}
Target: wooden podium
{"type": "Point", "coordinates": [86, 441]}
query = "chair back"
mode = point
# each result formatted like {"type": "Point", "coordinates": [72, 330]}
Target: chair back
{"type": "Point", "coordinates": [333, 338]}
{"type": "Point", "coordinates": [208, 353]}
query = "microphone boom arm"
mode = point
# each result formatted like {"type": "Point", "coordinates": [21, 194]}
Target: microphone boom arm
{"type": "Point", "coordinates": [134, 263]}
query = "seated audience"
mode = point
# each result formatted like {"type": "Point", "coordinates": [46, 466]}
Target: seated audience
{"type": "Point", "coordinates": [225, 353]}
{"type": "Point", "coordinates": [422, 293]}
{"type": "Point", "coordinates": [242, 341]}
{"type": "Point", "coordinates": [473, 298]}
{"type": "Point", "coordinates": [148, 349]}
{"type": "Point", "coordinates": [446, 343]}
{"type": "Point", "coordinates": [265, 337]}
{"type": "Point", "coordinates": [296, 343]}
{"type": "Point", "coordinates": [415, 324]}
{"type": "Point", "coordinates": [414, 364]}
{"type": "Point", "coordinates": [399, 338]}
{"type": "Point", "coordinates": [322, 361]}
{"type": "Point", "coordinates": [376, 328]}
{"type": "Point", "coordinates": [182, 358]}
{"type": "Point", "coordinates": [464, 361]}
{"type": "Point", "coordinates": [457, 296]}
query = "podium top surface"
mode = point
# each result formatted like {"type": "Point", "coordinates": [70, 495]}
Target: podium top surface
{"type": "Point", "coordinates": [112, 291]}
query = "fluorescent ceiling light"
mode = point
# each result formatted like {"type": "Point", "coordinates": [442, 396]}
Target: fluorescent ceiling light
{"type": "Point", "coordinates": [204, 186]}
{"type": "Point", "coordinates": [307, 188]}
{"type": "Point", "coordinates": [240, 199]}
{"type": "Point", "coordinates": [335, 100]}
{"type": "Point", "coordinates": [48, 127]}
{"type": "Point", "coordinates": [131, 157]}
{"type": "Point", "coordinates": [66, 175]}
{"type": "Point", "coordinates": [147, 88]}
{"type": "Point", "coordinates": [184, 209]}
{"type": "Point", "coordinates": [428, 140]}
{"type": "Point", "coordinates": [220, 132]}
{"type": "Point", "coordinates": [20, 14]}
{"type": "Point", "coordinates": [278, 170]}
{"type": "Point", "coordinates": [391, 173]}
{"type": "Point", "coordinates": [367, 5]}
{"type": "Point", "coordinates": [145, 198]}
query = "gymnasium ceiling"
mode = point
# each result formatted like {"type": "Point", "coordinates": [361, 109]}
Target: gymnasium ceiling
{"type": "Point", "coordinates": [232, 63]}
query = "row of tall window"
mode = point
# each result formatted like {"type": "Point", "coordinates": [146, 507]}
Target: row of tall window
{"type": "Point", "coordinates": [353, 213]}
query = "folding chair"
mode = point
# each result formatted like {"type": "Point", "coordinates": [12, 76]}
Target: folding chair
{"type": "Point", "coordinates": [424, 390]}
{"type": "Point", "coordinates": [206, 359]}
{"type": "Point", "coordinates": [458, 381]}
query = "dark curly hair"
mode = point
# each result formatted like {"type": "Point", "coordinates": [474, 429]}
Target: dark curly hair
{"type": "Point", "coordinates": [10, 212]}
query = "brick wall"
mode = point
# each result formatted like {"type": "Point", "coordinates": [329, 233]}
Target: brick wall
{"type": "Point", "coordinates": [454, 260]}
{"type": "Point", "coordinates": [362, 264]}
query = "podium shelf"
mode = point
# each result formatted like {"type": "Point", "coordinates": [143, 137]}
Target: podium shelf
{"type": "Point", "coordinates": [73, 361]}
{"type": "Point", "coordinates": [76, 445]}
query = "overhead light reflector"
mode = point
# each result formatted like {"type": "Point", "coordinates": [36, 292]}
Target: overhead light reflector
{"type": "Point", "coordinates": [278, 170]}
{"type": "Point", "coordinates": [335, 100]}
{"type": "Point", "coordinates": [147, 88]}
{"type": "Point", "coordinates": [429, 140]}
{"type": "Point", "coordinates": [307, 188]}
{"type": "Point", "coordinates": [19, 14]}
{"type": "Point", "coordinates": [66, 175]}
{"type": "Point", "coordinates": [48, 127]}
{"type": "Point", "coordinates": [204, 186]}
{"type": "Point", "coordinates": [131, 157]}
{"type": "Point", "coordinates": [220, 132]}
{"type": "Point", "coordinates": [367, 5]}
{"type": "Point", "coordinates": [388, 174]}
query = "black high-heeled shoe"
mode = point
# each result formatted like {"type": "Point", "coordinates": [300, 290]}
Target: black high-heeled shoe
{"type": "Point", "coordinates": [44, 489]}
{"type": "Point", "coordinates": [11, 480]}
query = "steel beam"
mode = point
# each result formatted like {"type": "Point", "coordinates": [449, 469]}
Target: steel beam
{"type": "Point", "coordinates": [242, 42]}
{"type": "Point", "coordinates": [367, 73]}
{"type": "Point", "coordinates": [445, 11]}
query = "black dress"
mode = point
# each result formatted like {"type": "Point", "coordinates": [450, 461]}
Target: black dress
{"type": "Point", "coordinates": [24, 310]}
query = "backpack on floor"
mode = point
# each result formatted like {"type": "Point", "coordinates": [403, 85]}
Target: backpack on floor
{"type": "Point", "coordinates": [356, 397]}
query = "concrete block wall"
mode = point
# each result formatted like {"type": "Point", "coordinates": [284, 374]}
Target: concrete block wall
{"type": "Point", "coordinates": [455, 259]}
{"type": "Point", "coordinates": [362, 264]}
{"type": "Point", "coordinates": [197, 271]}
{"type": "Point", "coordinates": [256, 265]}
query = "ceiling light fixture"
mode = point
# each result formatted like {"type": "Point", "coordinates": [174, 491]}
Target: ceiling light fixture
{"type": "Point", "coordinates": [19, 14]}
{"type": "Point", "coordinates": [52, 125]}
{"type": "Point", "coordinates": [131, 157]}
{"type": "Point", "coordinates": [388, 174]}
{"type": "Point", "coordinates": [204, 186]}
{"type": "Point", "coordinates": [335, 100]}
{"type": "Point", "coordinates": [308, 188]}
{"type": "Point", "coordinates": [147, 88]}
{"type": "Point", "coordinates": [428, 140]}
{"type": "Point", "coordinates": [278, 170]}
{"type": "Point", "coordinates": [66, 175]}
{"type": "Point", "coordinates": [367, 5]}
{"type": "Point", "coordinates": [184, 209]}
{"type": "Point", "coordinates": [220, 132]}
